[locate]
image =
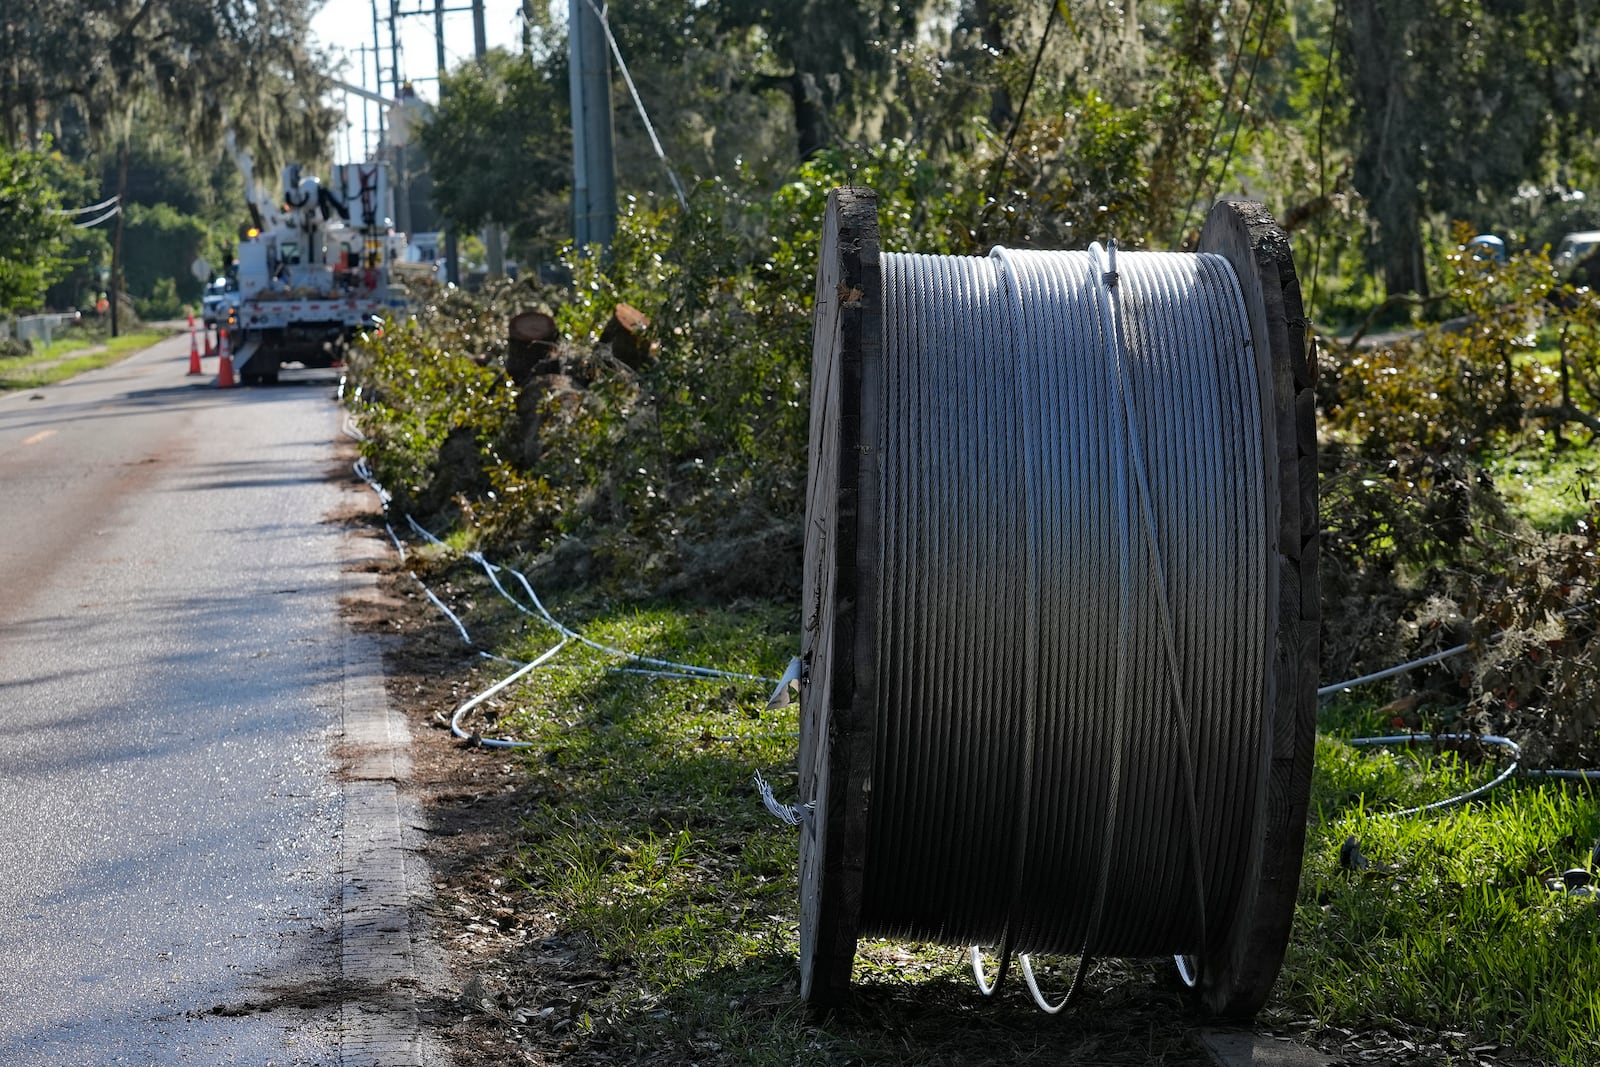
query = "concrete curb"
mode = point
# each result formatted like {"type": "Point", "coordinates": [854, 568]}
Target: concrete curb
{"type": "Point", "coordinates": [380, 1024]}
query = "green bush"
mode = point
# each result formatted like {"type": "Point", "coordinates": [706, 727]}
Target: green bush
{"type": "Point", "coordinates": [687, 468]}
{"type": "Point", "coordinates": [417, 383]}
{"type": "Point", "coordinates": [1420, 549]}
{"type": "Point", "coordinates": [160, 244]}
{"type": "Point", "coordinates": [163, 303]}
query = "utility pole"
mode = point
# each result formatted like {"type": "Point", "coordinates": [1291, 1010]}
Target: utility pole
{"type": "Point", "coordinates": [402, 190]}
{"type": "Point", "coordinates": [394, 45]}
{"type": "Point", "coordinates": [493, 239]}
{"type": "Point", "coordinates": [452, 263]}
{"type": "Point", "coordinates": [594, 180]}
{"type": "Point", "coordinates": [366, 105]}
{"type": "Point", "coordinates": [377, 74]}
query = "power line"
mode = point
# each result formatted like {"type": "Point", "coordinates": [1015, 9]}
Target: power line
{"type": "Point", "coordinates": [1255, 64]}
{"type": "Point", "coordinates": [1022, 105]}
{"type": "Point", "coordinates": [113, 213]}
{"type": "Point", "coordinates": [1216, 128]}
{"type": "Point", "coordinates": [101, 206]}
{"type": "Point", "coordinates": [644, 116]}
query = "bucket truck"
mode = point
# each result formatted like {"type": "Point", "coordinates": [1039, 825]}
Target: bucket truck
{"type": "Point", "coordinates": [314, 269]}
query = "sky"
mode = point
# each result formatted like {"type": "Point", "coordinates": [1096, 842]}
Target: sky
{"type": "Point", "coordinates": [345, 27]}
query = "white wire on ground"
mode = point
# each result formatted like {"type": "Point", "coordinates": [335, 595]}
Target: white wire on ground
{"type": "Point", "coordinates": [1390, 672]}
{"type": "Point", "coordinates": [667, 668]}
{"type": "Point", "coordinates": [1461, 798]}
{"type": "Point", "coordinates": [658, 668]}
{"type": "Point", "coordinates": [540, 612]}
{"type": "Point", "coordinates": [399, 546]}
{"type": "Point", "coordinates": [1588, 775]}
{"type": "Point", "coordinates": [466, 638]}
{"type": "Point", "coordinates": [1423, 661]}
{"type": "Point", "coordinates": [424, 533]}
{"type": "Point", "coordinates": [787, 814]}
{"type": "Point", "coordinates": [510, 679]}
{"type": "Point", "coordinates": [1591, 775]}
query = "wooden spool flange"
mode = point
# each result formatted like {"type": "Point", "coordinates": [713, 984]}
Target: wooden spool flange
{"type": "Point", "coordinates": [1236, 978]}
{"type": "Point", "coordinates": [838, 692]}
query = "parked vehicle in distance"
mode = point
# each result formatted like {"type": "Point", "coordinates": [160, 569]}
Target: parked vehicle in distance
{"type": "Point", "coordinates": [219, 297]}
{"type": "Point", "coordinates": [1574, 249]}
{"type": "Point", "coordinates": [1487, 247]}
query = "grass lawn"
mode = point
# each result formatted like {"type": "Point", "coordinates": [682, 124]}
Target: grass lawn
{"type": "Point", "coordinates": [1452, 924]}
{"type": "Point", "coordinates": [660, 898]}
{"type": "Point", "coordinates": [1546, 487]}
{"type": "Point", "coordinates": [72, 353]}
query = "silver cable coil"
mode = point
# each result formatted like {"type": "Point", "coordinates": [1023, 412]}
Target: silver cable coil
{"type": "Point", "coordinates": [1075, 593]}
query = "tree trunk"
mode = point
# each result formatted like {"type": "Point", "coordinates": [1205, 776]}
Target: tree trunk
{"type": "Point", "coordinates": [986, 13]}
{"type": "Point", "coordinates": [1388, 167]}
{"type": "Point", "coordinates": [116, 238]}
{"type": "Point", "coordinates": [1566, 385]}
{"type": "Point", "coordinates": [808, 117]}
{"type": "Point", "coordinates": [1400, 241]}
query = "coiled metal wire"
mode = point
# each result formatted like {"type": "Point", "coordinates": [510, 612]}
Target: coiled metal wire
{"type": "Point", "coordinates": [1075, 603]}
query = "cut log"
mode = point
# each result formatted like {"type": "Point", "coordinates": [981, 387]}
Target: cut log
{"type": "Point", "coordinates": [628, 335]}
{"type": "Point", "coordinates": [530, 345]}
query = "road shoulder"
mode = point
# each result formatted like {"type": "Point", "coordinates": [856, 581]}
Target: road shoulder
{"type": "Point", "coordinates": [387, 955]}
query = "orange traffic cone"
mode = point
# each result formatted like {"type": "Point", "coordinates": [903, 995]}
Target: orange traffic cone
{"type": "Point", "coordinates": [209, 350]}
{"type": "Point", "coordinates": [194, 350]}
{"type": "Point", "coordinates": [225, 362]}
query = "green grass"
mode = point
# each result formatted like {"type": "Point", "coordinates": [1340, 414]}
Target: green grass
{"type": "Point", "coordinates": [1548, 488]}
{"type": "Point", "coordinates": [649, 845]}
{"type": "Point", "coordinates": [73, 353]}
{"type": "Point", "coordinates": [664, 898]}
{"type": "Point", "coordinates": [1452, 928]}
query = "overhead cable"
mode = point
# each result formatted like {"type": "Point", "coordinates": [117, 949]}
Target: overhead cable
{"type": "Point", "coordinates": [644, 116]}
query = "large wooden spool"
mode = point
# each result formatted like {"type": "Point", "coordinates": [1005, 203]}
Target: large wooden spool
{"type": "Point", "coordinates": [840, 614]}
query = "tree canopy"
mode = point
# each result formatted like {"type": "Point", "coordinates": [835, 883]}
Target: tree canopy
{"type": "Point", "coordinates": [1367, 126]}
{"type": "Point", "coordinates": [33, 231]}
{"type": "Point", "coordinates": [500, 134]}
{"type": "Point", "coordinates": [1456, 105]}
{"type": "Point", "coordinates": [204, 66]}
{"type": "Point", "coordinates": [179, 71]}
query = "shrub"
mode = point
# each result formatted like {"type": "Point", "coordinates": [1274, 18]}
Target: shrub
{"type": "Point", "coordinates": [163, 302]}
{"type": "Point", "coordinates": [1421, 551]}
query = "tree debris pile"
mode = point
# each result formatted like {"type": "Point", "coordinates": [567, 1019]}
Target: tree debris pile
{"type": "Point", "coordinates": [1424, 547]}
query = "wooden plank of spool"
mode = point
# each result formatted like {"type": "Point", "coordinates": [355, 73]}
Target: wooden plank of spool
{"type": "Point", "coordinates": [838, 689]}
{"type": "Point", "coordinates": [1237, 975]}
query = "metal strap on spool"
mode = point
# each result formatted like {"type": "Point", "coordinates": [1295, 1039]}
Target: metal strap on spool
{"type": "Point", "coordinates": [1058, 671]}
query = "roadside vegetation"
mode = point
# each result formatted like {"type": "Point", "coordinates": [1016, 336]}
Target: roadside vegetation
{"type": "Point", "coordinates": [74, 350]}
{"type": "Point", "coordinates": [645, 909]}
{"type": "Point", "coordinates": [646, 469]}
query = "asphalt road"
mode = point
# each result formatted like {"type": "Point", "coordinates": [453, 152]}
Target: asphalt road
{"type": "Point", "coordinates": [172, 681]}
